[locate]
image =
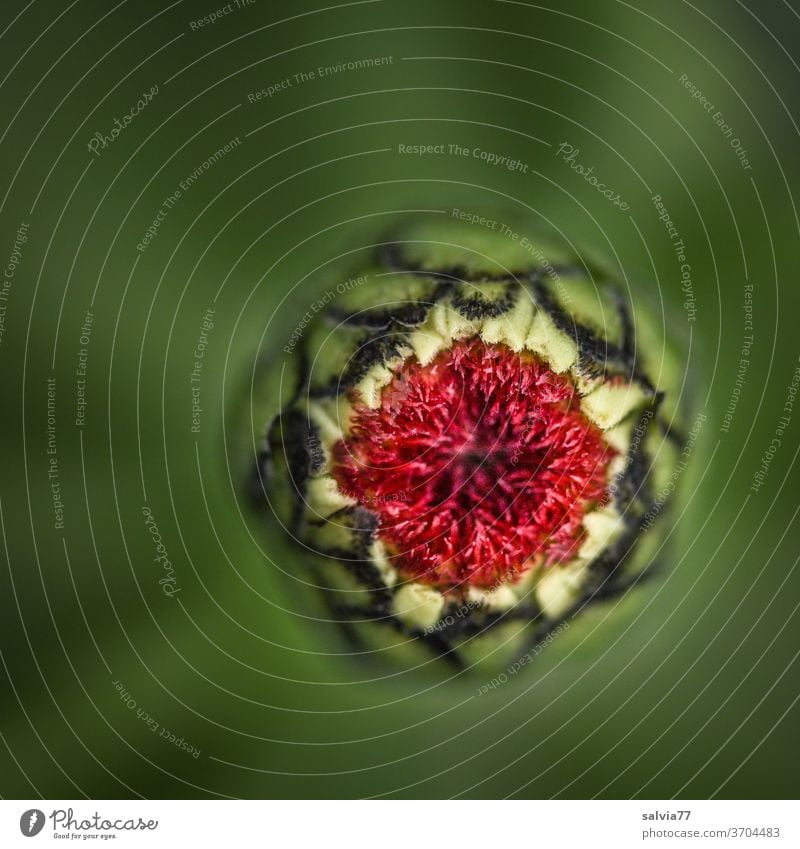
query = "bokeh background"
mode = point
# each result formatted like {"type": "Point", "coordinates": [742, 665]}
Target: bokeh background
{"type": "Point", "coordinates": [228, 680]}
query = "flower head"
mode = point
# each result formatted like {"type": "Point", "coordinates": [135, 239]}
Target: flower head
{"type": "Point", "coordinates": [474, 429]}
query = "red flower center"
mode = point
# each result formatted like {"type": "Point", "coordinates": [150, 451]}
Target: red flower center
{"type": "Point", "coordinates": [476, 465]}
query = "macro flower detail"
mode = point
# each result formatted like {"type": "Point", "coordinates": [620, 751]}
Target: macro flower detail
{"type": "Point", "coordinates": [473, 442]}
{"type": "Point", "coordinates": [474, 465]}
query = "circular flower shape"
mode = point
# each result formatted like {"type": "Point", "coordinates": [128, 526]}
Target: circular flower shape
{"type": "Point", "coordinates": [476, 465]}
{"type": "Point", "coordinates": [475, 444]}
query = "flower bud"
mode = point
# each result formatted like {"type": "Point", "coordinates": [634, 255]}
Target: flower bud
{"type": "Point", "coordinates": [480, 432]}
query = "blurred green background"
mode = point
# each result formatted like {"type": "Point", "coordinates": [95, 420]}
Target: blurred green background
{"type": "Point", "coordinates": [687, 687]}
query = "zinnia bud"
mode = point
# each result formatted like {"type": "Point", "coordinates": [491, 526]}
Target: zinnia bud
{"type": "Point", "coordinates": [476, 441]}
